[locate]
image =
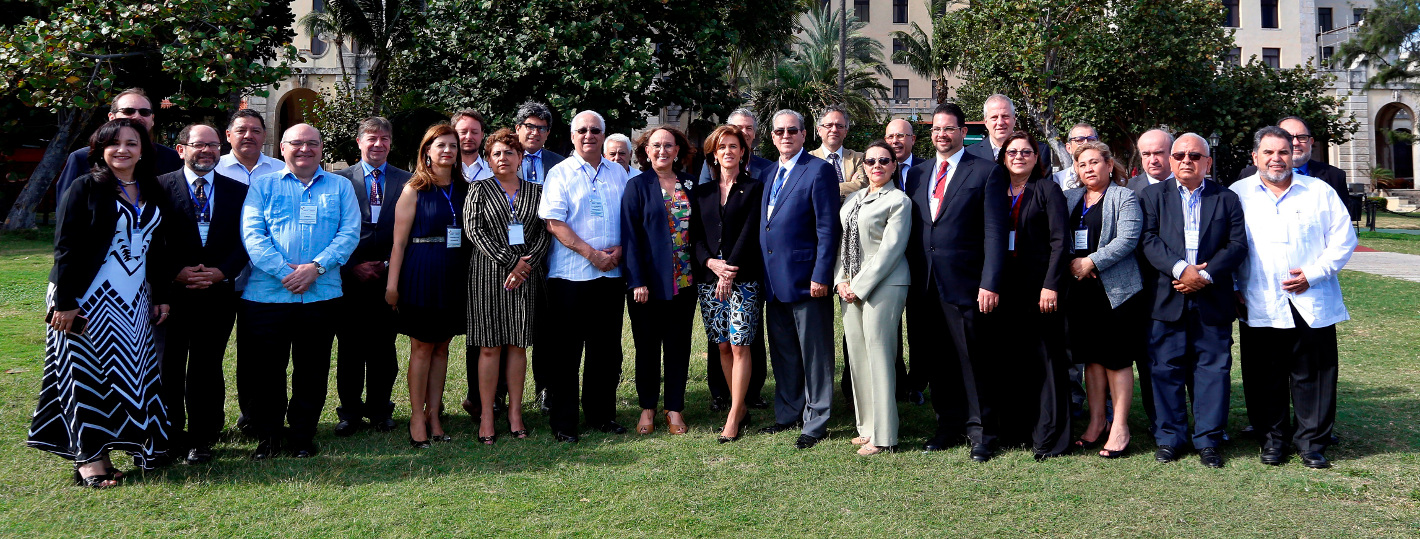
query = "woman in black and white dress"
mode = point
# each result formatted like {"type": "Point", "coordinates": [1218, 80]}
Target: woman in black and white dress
{"type": "Point", "coordinates": [99, 392]}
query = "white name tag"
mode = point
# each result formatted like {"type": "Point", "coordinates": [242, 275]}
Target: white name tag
{"type": "Point", "coordinates": [515, 234]}
{"type": "Point", "coordinates": [596, 206]}
{"type": "Point", "coordinates": [308, 214]}
{"type": "Point", "coordinates": [453, 237]}
{"type": "Point", "coordinates": [1082, 239]}
{"type": "Point", "coordinates": [374, 213]}
{"type": "Point", "coordinates": [1011, 241]}
{"type": "Point", "coordinates": [202, 232]}
{"type": "Point", "coordinates": [1190, 240]}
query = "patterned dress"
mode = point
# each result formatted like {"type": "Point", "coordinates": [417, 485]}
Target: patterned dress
{"type": "Point", "coordinates": [498, 316]}
{"type": "Point", "coordinates": [100, 387]}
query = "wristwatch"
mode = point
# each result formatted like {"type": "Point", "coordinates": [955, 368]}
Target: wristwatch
{"type": "Point", "coordinates": [320, 270]}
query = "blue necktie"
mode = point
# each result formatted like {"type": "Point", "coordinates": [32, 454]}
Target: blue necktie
{"type": "Point", "coordinates": [778, 182]}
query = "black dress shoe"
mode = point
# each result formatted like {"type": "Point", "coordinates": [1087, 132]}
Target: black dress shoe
{"type": "Point", "coordinates": [612, 427]}
{"type": "Point", "coordinates": [806, 441]}
{"type": "Point", "coordinates": [1315, 460]}
{"type": "Point", "coordinates": [383, 425]}
{"type": "Point", "coordinates": [346, 428]}
{"type": "Point", "coordinates": [937, 443]}
{"type": "Point", "coordinates": [265, 450]}
{"type": "Point", "coordinates": [199, 455]}
{"type": "Point", "coordinates": [1273, 456]}
{"type": "Point", "coordinates": [471, 408]}
{"type": "Point", "coordinates": [1166, 453]}
{"type": "Point", "coordinates": [567, 438]}
{"type": "Point", "coordinates": [245, 427]}
{"type": "Point", "coordinates": [1210, 457]}
{"type": "Point", "coordinates": [916, 397]}
{"type": "Point", "coordinates": [981, 452]}
{"type": "Point", "coordinates": [305, 450]}
{"type": "Point", "coordinates": [778, 428]}
{"type": "Point", "coordinates": [758, 403]}
{"type": "Point", "coordinates": [499, 406]}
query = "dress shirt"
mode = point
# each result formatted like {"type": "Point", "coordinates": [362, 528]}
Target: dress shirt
{"type": "Point", "coordinates": [274, 236]}
{"type": "Point", "coordinates": [192, 188]}
{"type": "Point", "coordinates": [1307, 228]}
{"type": "Point", "coordinates": [1068, 180]}
{"type": "Point", "coordinates": [842, 165]}
{"type": "Point", "coordinates": [367, 169]}
{"type": "Point", "coordinates": [1192, 206]}
{"type": "Point", "coordinates": [953, 163]}
{"type": "Point", "coordinates": [477, 171]}
{"type": "Point", "coordinates": [786, 168]}
{"type": "Point", "coordinates": [1152, 181]}
{"type": "Point", "coordinates": [541, 170]}
{"type": "Point", "coordinates": [230, 167]}
{"type": "Point", "coordinates": [902, 171]}
{"type": "Point", "coordinates": [572, 190]}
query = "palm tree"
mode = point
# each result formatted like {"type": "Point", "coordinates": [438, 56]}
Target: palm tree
{"type": "Point", "coordinates": [324, 25]}
{"type": "Point", "coordinates": [807, 79]}
{"type": "Point", "coordinates": [919, 53]}
{"type": "Point", "coordinates": [380, 28]}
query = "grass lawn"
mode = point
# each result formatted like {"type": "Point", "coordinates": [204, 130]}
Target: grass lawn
{"type": "Point", "coordinates": [1394, 243]}
{"type": "Point", "coordinates": [373, 485]}
{"type": "Point", "coordinates": [1386, 219]}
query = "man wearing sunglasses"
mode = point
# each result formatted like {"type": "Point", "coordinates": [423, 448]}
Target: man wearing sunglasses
{"type": "Point", "coordinates": [534, 122]}
{"type": "Point", "coordinates": [132, 103]}
{"type": "Point", "coordinates": [1080, 133]}
{"type": "Point", "coordinates": [1302, 162]}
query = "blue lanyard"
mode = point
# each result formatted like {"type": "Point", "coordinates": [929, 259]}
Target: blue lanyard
{"type": "Point", "coordinates": [592, 178]}
{"type": "Point", "coordinates": [202, 215]}
{"type": "Point", "coordinates": [1086, 211]}
{"type": "Point", "coordinates": [446, 191]}
{"type": "Point", "coordinates": [137, 210]}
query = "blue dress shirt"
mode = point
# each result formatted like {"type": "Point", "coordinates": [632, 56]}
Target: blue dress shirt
{"type": "Point", "coordinates": [274, 235]}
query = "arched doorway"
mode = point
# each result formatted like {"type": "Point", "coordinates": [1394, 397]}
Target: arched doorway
{"type": "Point", "coordinates": [293, 108]}
{"type": "Point", "coordinates": [1395, 131]}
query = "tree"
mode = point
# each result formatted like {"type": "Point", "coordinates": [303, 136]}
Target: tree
{"type": "Point", "coordinates": [1388, 40]}
{"type": "Point", "coordinates": [919, 54]}
{"type": "Point", "coordinates": [381, 28]}
{"type": "Point", "coordinates": [77, 54]}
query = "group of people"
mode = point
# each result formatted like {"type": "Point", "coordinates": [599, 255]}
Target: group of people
{"type": "Point", "coordinates": [1007, 276]}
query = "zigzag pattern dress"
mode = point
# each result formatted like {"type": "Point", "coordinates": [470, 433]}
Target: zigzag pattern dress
{"type": "Point", "coordinates": [100, 388]}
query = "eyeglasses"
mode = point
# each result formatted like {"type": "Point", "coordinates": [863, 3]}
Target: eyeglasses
{"type": "Point", "coordinates": [781, 131]}
{"type": "Point", "coordinates": [832, 127]}
{"type": "Point", "coordinates": [1078, 140]}
{"type": "Point", "coordinates": [199, 146]}
{"type": "Point", "coordinates": [1013, 152]}
{"type": "Point", "coordinates": [879, 161]}
{"type": "Point", "coordinates": [1192, 156]}
{"type": "Point", "coordinates": [897, 136]}
{"type": "Point", "coordinates": [949, 129]}
{"type": "Point", "coordinates": [1302, 138]}
{"type": "Point", "coordinates": [534, 127]}
{"type": "Point", "coordinates": [592, 130]}
{"type": "Point", "coordinates": [130, 111]}
{"type": "Point", "coordinates": [312, 144]}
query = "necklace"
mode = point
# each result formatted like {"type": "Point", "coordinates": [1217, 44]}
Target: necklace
{"type": "Point", "coordinates": [127, 183]}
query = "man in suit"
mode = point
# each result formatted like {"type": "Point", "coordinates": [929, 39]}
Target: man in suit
{"type": "Point", "coordinates": [1154, 148]}
{"type": "Point", "coordinates": [999, 114]}
{"type": "Point", "coordinates": [471, 129]}
{"type": "Point", "coordinates": [365, 364]}
{"type": "Point", "coordinates": [534, 121]}
{"type": "Point", "coordinates": [902, 138]}
{"type": "Point", "coordinates": [133, 104]}
{"type": "Point", "coordinates": [847, 164]}
{"type": "Point", "coordinates": [799, 239]}
{"type": "Point", "coordinates": [246, 133]}
{"type": "Point", "coordinates": [762, 170]}
{"type": "Point", "coordinates": [206, 242]}
{"type": "Point", "coordinates": [1194, 239]}
{"type": "Point", "coordinates": [956, 253]}
{"type": "Point", "coordinates": [1154, 145]}
{"type": "Point", "coordinates": [1079, 133]}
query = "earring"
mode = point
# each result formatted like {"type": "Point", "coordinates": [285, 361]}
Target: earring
{"type": "Point", "coordinates": [428, 162]}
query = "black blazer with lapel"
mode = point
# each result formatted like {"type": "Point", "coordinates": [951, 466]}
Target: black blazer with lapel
{"type": "Point", "coordinates": [1040, 238]}
{"type": "Point", "coordinates": [376, 239]}
{"type": "Point", "coordinates": [1222, 244]}
{"type": "Point", "coordinates": [965, 247]}
{"type": "Point", "coordinates": [645, 237]}
{"type": "Point", "coordinates": [731, 231]}
{"type": "Point", "coordinates": [86, 218]}
{"type": "Point", "coordinates": [224, 249]}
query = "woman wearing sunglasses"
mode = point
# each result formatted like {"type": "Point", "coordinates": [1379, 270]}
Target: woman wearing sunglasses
{"type": "Point", "coordinates": [872, 279]}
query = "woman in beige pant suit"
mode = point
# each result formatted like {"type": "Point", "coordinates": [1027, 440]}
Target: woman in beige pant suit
{"type": "Point", "coordinates": [872, 278]}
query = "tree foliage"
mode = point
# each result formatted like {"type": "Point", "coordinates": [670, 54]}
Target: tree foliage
{"type": "Point", "coordinates": [1388, 40]}
{"type": "Point", "coordinates": [380, 28]}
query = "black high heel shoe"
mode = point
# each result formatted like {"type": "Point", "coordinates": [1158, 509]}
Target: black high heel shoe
{"type": "Point", "coordinates": [738, 431]}
{"type": "Point", "coordinates": [488, 440]}
{"type": "Point", "coordinates": [419, 444]}
{"type": "Point", "coordinates": [1091, 444]}
{"type": "Point", "coordinates": [95, 481]}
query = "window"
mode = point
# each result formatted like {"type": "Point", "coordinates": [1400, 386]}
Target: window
{"type": "Point", "coordinates": [1230, 13]}
{"type": "Point", "coordinates": [896, 48]}
{"type": "Point", "coordinates": [1323, 19]}
{"type": "Point", "coordinates": [1269, 13]}
{"type": "Point", "coordinates": [1234, 56]}
{"type": "Point", "coordinates": [860, 10]}
{"type": "Point", "coordinates": [318, 47]}
{"type": "Point", "coordinates": [1326, 53]}
{"type": "Point", "coordinates": [899, 11]}
{"type": "Point", "coordinates": [899, 90]}
{"type": "Point", "coordinates": [1272, 57]}
{"type": "Point", "coordinates": [1358, 15]}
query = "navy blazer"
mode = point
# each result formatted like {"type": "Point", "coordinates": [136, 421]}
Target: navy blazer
{"type": "Point", "coordinates": [1222, 244]}
{"type": "Point", "coordinates": [964, 248]}
{"type": "Point", "coordinates": [799, 241]}
{"type": "Point", "coordinates": [224, 249]}
{"type": "Point", "coordinates": [729, 231]}
{"type": "Point", "coordinates": [647, 249]}
{"type": "Point", "coordinates": [376, 238]}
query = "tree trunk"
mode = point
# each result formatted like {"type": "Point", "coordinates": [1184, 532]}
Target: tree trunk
{"type": "Point", "coordinates": [22, 214]}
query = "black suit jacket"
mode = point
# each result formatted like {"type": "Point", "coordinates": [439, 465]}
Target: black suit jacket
{"type": "Point", "coordinates": [1222, 244]}
{"type": "Point", "coordinates": [376, 238]}
{"type": "Point", "coordinates": [86, 219]}
{"type": "Point", "coordinates": [731, 230]}
{"type": "Point", "coordinates": [965, 247]}
{"type": "Point", "coordinates": [1040, 237]}
{"type": "Point", "coordinates": [224, 249]}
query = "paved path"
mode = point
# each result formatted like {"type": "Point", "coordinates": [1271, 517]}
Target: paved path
{"type": "Point", "coordinates": [1398, 265]}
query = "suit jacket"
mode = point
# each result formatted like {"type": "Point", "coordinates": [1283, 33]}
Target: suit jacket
{"type": "Point", "coordinates": [1222, 244]}
{"type": "Point", "coordinates": [646, 241]}
{"type": "Point", "coordinates": [799, 241]}
{"type": "Point", "coordinates": [730, 230]}
{"type": "Point", "coordinates": [1119, 235]}
{"type": "Point", "coordinates": [224, 249]}
{"type": "Point", "coordinates": [376, 238]}
{"type": "Point", "coordinates": [854, 177]}
{"type": "Point", "coordinates": [982, 149]}
{"type": "Point", "coordinates": [903, 168]}
{"type": "Point", "coordinates": [1040, 259]}
{"type": "Point", "coordinates": [884, 230]}
{"type": "Point", "coordinates": [1139, 182]}
{"type": "Point", "coordinates": [86, 219]}
{"type": "Point", "coordinates": [964, 248]}
{"type": "Point", "coordinates": [78, 165]}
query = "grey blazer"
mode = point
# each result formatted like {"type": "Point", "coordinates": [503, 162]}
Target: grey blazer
{"type": "Point", "coordinates": [1121, 224]}
{"type": "Point", "coordinates": [884, 226]}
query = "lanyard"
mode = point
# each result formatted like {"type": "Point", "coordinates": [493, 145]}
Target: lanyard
{"type": "Point", "coordinates": [1015, 201]}
{"type": "Point", "coordinates": [591, 178]}
{"type": "Point", "coordinates": [137, 210]}
{"type": "Point", "coordinates": [1087, 211]}
{"type": "Point", "coordinates": [512, 209]}
{"type": "Point", "coordinates": [450, 199]}
{"type": "Point", "coordinates": [201, 205]}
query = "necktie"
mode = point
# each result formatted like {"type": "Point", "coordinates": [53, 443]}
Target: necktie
{"type": "Point", "coordinates": [837, 165]}
{"type": "Point", "coordinates": [941, 189]}
{"type": "Point", "coordinates": [376, 199]}
{"type": "Point", "coordinates": [530, 167]}
{"type": "Point", "coordinates": [778, 182]}
{"type": "Point", "coordinates": [204, 214]}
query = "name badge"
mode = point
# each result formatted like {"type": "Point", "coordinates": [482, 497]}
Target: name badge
{"type": "Point", "coordinates": [308, 214]}
{"type": "Point", "coordinates": [202, 232]}
{"type": "Point", "coordinates": [374, 213]}
{"type": "Point", "coordinates": [1011, 241]}
{"type": "Point", "coordinates": [515, 234]}
{"type": "Point", "coordinates": [596, 206]}
{"type": "Point", "coordinates": [453, 237]}
{"type": "Point", "coordinates": [1082, 239]}
{"type": "Point", "coordinates": [1190, 240]}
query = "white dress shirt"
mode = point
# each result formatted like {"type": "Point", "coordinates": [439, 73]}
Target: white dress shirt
{"type": "Point", "coordinates": [230, 167]}
{"type": "Point", "coordinates": [479, 170]}
{"type": "Point", "coordinates": [1067, 179]}
{"type": "Point", "coordinates": [1307, 228]}
{"type": "Point", "coordinates": [588, 200]}
{"type": "Point", "coordinates": [953, 163]}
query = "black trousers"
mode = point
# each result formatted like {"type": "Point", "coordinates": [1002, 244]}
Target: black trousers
{"type": "Point", "coordinates": [904, 382]}
{"type": "Point", "coordinates": [194, 342]}
{"type": "Point", "coordinates": [583, 315]}
{"type": "Point", "coordinates": [365, 364]}
{"type": "Point", "coordinates": [271, 337]}
{"type": "Point", "coordinates": [959, 369]}
{"type": "Point", "coordinates": [1297, 365]}
{"type": "Point", "coordinates": [662, 325]}
{"type": "Point", "coordinates": [1030, 381]}
{"type": "Point", "coordinates": [758, 368]}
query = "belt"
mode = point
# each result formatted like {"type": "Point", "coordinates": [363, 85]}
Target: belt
{"type": "Point", "coordinates": [430, 239]}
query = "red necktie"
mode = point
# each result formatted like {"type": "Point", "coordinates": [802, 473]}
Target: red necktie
{"type": "Point", "coordinates": [941, 189]}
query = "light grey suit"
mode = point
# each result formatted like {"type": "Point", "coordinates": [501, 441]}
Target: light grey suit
{"type": "Point", "coordinates": [870, 325]}
{"type": "Point", "coordinates": [1114, 259]}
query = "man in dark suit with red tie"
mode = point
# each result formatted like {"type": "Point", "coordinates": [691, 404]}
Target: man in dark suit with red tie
{"type": "Point", "coordinates": [956, 252]}
{"type": "Point", "coordinates": [206, 242]}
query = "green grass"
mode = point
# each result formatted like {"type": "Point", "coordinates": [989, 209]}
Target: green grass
{"type": "Point", "coordinates": [1386, 219]}
{"type": "Point", "coordinates": [659, 485]}
{"type": "Point", "coordinates": [1394, 243]}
